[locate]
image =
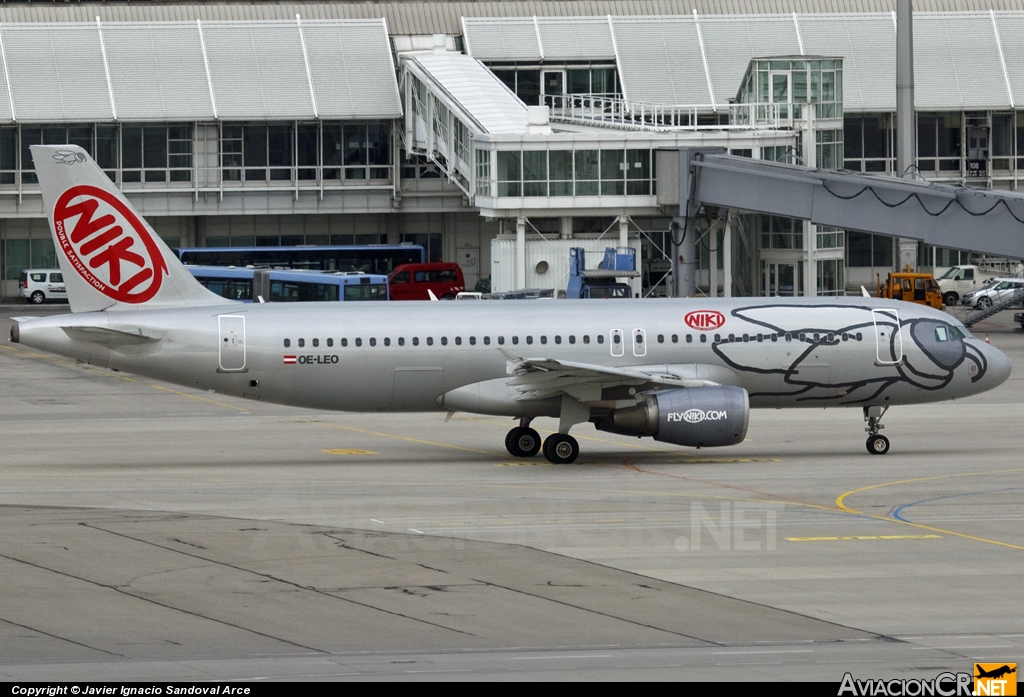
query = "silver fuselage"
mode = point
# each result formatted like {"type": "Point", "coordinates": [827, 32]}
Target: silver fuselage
{"type": "Point", "coordinates": [797, 352]}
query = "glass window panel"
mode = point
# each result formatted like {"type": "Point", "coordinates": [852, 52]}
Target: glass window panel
{"type": "Point", "coordinates": [613, 172]}
{"type": "Point", "coordinates": [154, 147]}
{"type": "Point", "coordinates": [355, 145]}
{"type": "Point", "coordinates": [332, 133]}
{"type": "Point", "coordinates": [131, 147]}
{"type": "Point", "coordinates": [586, 172]}
{"type": "Point", "coordinates": [378, 140]}
{"type": "Point", "coordinates": [577, 81]}
{"type": "Point", "coordinates": [926, 146]}
{"type": "Point", "coordinates": [509, 173]}
{"type": "Point", "coordinates": [528, 86]}
{"type": "Point", "coordinates": [852, 146]}
{"type": "Point", "coordinates": [254, 146]}
{"type": "Point", "coordinates": [949, 135]}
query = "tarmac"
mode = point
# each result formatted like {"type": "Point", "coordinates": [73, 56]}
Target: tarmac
{"type": "Point", "coordinates": [157, 533]}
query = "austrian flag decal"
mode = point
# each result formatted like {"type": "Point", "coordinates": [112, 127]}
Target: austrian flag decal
{"type": "Point", "coordinates": [108, 245]}
{"type": "Point", "coordinates": [289, 360]}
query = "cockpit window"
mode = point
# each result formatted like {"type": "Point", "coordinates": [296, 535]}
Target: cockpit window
{"type": "Point", "coordinates": [941, 334]}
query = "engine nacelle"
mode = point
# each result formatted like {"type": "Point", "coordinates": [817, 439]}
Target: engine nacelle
{"type": "Point", "coordinates": [700, 417]}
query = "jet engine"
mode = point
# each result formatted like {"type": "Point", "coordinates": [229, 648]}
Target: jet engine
{"type": "Point", "coordinates": [696, 417]}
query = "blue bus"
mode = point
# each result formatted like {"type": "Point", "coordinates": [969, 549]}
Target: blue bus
{"type": "Point", "coordinates": [374, 258]}
{"type": "Point", "coordinates": [285, 285]}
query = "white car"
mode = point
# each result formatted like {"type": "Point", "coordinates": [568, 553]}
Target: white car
{"type": "Point", "coordinates": [39, 285]}
{"type": "Point", "coordinates": [999, 290]}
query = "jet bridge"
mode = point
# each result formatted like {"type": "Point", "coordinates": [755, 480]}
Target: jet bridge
{"type": "Point", "coordinates": [980, 220]}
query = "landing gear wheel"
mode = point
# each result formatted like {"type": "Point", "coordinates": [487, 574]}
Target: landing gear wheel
{"type": "Point", "coordinates": [878, 445]}
{"type": "Point", "coordinates": [561, 449]}
{"type": "Point", "coordinates": [37, 298]}
{"type": "Point", "coordinates": [522, 442]}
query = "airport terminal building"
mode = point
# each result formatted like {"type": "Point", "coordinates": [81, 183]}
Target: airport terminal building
{"type": "Point", "coordinates": [498, 135]}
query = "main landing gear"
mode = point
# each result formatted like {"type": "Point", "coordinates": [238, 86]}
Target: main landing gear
{"type": "Point", "coordinates": [559, 448]}
{"type": "Point", "coordinates": [877, 444]}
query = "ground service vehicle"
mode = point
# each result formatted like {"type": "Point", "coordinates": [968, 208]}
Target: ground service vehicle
{"type": "Point", "coordinates": [602, 282]}
{"type": "Point", "coordinates": [287, 285]}
{"type": "Point", "coordinates": [911, 287]}
{"type": "Point", "coordinates": [39, 285]}
{"type": "Point", "coordinates": [961, 280]}
{"type": "Point", "coordinates": [999, 290]}
{"type": "Point", "coordinates": [682, 371]}
{"type": "Point", "coordinates": [418, 281]}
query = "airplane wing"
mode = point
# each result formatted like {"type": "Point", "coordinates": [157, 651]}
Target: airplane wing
{"type": "Point", "coordinates": [541, 378]}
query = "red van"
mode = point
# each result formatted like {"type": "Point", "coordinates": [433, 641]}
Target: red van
{"type": "Point", "coordinates": [412, 281]}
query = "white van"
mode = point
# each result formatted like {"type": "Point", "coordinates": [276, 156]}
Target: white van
{"type": "Point", "coordinates": [39, 285]}
{"type": "Point", "coordinates": [961, 280]}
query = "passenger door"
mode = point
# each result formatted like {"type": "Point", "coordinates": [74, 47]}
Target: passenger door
{"type": "Point", "coordinates": [888, 337]}
{"type": "Point", "coordinates": [232, 343]}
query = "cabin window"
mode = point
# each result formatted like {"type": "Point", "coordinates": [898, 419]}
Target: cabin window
{"type": "Point", "coordinates": [344, 342]}
{"type": "Point", "coordinates": [458, 341]}
{"type": "Point", "coordinates": [387, 341]}
{"type": "Point", "coordinates": [430, 341]}
{"type": "Point", "coordinates": [415, 341]}
{"type": "Point", "coordinates": [302, 342]}
{"type": "Point", "coordinates": [558, 339]}
{"type": "Point", "coordinates": [330, 342]}
{"type": "Point", "coordinates": [373, 341]}
{"type": "Point", "coordinates": [444, 341]}
{"type": "Point", "coordinates": [401, 341]}
{"type": "Point", "coordinates": [529, 339]}
{"type": "Point", "coordinates": [789, 337]}
{"type": "Point", "coordinates": [689, 338]}
{"type": "Point", "coordinates": [316, 342]}
{"type": "Point", "coordinates": [487, 341]}
{"type": "Point", "coordinates": [515, 340]}
{"type": "Point", "coordinates": [586, 338]}
{"type": "Point", "coordinates": [472, 341]}
{"type": "Point", "coordinates": [359, 342]}
{"type": "Point", "coordinates": [572, 338]}
{"type": "Point", "coordinates": [661, 338]}
{"type": "Point", "coordinates": [675, 338]}
{"type": "Point", "coordinates": [600, 338]}
{"type": "Point", "coordinates": [543, 340]}
{"type": "Point", "coordinates": [287, 343]}
{"type": "Point", "coordinates": [704, 338]}
{"type": "Point", "coordinates": [501, 340]}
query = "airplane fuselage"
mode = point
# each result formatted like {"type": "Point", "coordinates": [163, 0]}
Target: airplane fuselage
{"type": "Point", "coordinates": [417, 356]}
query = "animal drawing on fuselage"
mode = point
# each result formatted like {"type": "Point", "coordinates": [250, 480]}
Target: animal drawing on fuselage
{"type": "Point", "coordinates": [805, 361]}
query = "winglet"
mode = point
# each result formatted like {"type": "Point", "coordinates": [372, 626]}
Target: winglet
{"type": "Point", "coordinates": [864, 292]}
{"type": "Point", "coordinates": [109, 255]}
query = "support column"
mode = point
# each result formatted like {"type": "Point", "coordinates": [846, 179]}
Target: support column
{"type": "Point", "coordinates": [811, 265]}
{"type": "Point", "coordinates": [623, 231]}
{"type": "Point", "coordinates": [906, 131]}
{"type": "Point", "coordinates": [565, 227]}
{"type": "Point", "coordinates": [684, 253]}
{"type": "Point", "coordinates": [727, 257]}
{"type": "Point", "coordinates": [713, 247]}
{"type": "Point", "coordinates": [520, 253]}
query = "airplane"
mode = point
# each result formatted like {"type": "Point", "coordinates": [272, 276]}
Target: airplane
{"type": "Point", "coordinates": [683, 371]}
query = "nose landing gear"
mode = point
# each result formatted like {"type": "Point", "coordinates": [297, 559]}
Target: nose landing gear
{"type": "Point", "coordinates": [877, 444]}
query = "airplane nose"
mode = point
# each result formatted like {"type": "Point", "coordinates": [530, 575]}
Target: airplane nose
{"type": "Point", "coordinates": [999, 367]}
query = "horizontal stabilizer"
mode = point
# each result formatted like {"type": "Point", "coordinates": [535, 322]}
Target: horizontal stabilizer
{"type": "Point", "coordinates": [109, 337]}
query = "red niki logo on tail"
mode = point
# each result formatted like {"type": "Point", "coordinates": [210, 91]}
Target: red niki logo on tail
{"type": "Point", "coordinates": [108, 245]}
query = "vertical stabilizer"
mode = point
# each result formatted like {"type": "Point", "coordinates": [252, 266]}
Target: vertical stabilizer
{"type": "Point", "coordinates": [109, 255]}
